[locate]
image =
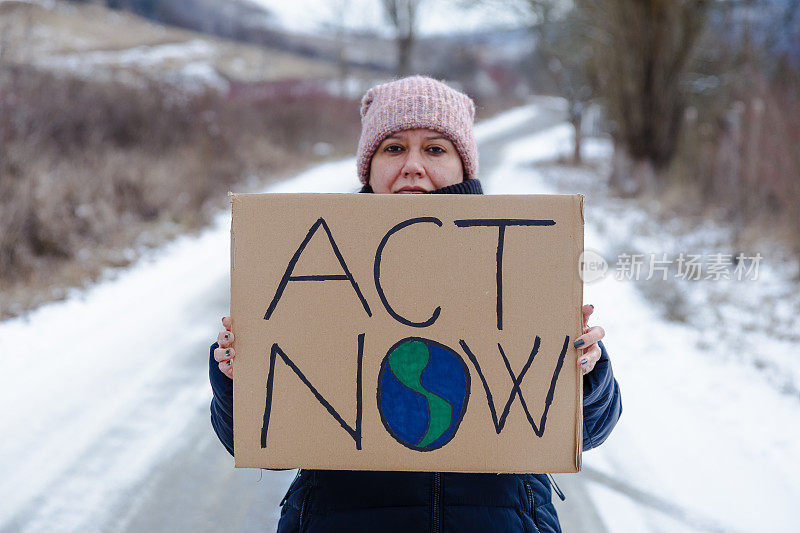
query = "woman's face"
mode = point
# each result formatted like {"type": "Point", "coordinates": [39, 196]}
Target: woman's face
{"type": "Point", "coordinates": [414, 162]}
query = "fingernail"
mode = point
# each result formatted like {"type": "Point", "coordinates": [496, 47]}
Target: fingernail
{"type": "Point", "coordinates": [229, 363]}
{"type": "Point", "coordinates": [584, 361]}
{"type": "Point", "coordinates": [227, 352]}
{"type": "Point", "coordinates": [592, 306]}
{"type": "Point", "coordinates": [577, 344]}
{"type": "Point", "coordinates": [226, 336]}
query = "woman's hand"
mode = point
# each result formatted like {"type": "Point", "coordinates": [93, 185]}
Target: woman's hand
{"type": "Point", "coordinates": [588, 342]}
{"type": "Point", "coordinates": [224, 354]}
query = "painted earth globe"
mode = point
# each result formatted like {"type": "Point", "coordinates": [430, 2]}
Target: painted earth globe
{"type": "Point", "coordinates": [423, 389]}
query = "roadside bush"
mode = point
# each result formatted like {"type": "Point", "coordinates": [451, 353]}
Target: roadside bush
{"type": "Point", "coordinates": [87, 166]}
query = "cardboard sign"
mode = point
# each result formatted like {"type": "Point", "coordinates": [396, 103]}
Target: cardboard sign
{"type": "Point", "coordinates": [407, 332]}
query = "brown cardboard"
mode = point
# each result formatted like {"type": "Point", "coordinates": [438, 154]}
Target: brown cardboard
{"type": "Point", "coordinates": [318, 328]}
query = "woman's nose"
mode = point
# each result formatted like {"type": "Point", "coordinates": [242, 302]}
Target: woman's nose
{"type": "Point", "coordinates": [413, 166]}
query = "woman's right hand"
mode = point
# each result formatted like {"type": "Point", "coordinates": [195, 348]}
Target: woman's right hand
{"type": "Point", "coordinates": [224, 354]}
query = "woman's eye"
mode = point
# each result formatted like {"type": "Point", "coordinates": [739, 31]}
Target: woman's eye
{"type": "Point", "coordinates": [436, 149]}
{"type": "Point", "coordinates": [393, 148]}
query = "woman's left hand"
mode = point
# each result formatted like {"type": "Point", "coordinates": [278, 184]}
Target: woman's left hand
{"type": "Point", "coordinates": [588, 342]}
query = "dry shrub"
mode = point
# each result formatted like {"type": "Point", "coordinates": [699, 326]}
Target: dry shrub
{"type": "Point", "coordinates": [85, 165]}
{"type": "Point", "coordinates": [739, 161]}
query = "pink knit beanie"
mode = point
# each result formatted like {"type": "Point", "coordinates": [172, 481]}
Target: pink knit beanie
{"type": "Point", "coordinates": [411, 103]}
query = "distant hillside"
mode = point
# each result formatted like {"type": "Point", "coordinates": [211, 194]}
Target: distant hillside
{"type": "Point", "coordinates": [90, 40]}
{"type": "Point", "coordinates": [480, 61]}
{"type": "Point", "coordinates": [117, 133]}
{"type": "Point", "coordinates": [244, 21]}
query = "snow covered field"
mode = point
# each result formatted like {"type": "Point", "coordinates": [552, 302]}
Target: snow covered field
{"type": "Point", "coordinates": [435, 16]}
{"type": "Point", "coordinates": [93, 42]}
{"type": "Point", "coordinates": [707, 441]}
{"type": "Point", "coordinates": [103, 385]}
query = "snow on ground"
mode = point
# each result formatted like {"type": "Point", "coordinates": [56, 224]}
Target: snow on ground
{"type": "Point", "coordinates": [187, 64]}
{"type": "Point", "coordinates": [196, 56]}
{"type": "Point", "coordinates": [705, 436]}
{"type": "Point", "coordinates": [45, 3]}
{"type": "Point", "coordinates": [96, 391]}
{"type": "Point", "coordinates": [514, 118]}
{"type": "Point", "coordinates": [145, 56]}
{"type": "Point", "coordinates": [434, 16]}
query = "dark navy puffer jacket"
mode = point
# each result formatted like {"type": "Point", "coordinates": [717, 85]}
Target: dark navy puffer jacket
{"type": "Point", "coordinates": [438, 502]}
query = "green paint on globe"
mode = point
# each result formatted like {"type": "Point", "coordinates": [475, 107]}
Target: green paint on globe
{"type": "Point", "coordinates": [407, 362]}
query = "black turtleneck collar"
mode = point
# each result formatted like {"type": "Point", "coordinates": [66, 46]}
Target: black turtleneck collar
{"type": "Point", "coordinates": [472, 186]}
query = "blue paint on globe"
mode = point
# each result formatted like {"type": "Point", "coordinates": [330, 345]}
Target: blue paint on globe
{"type": "Point", "coordinates": [444, 381]}
{"type": "Point", "coordinates": [446, 376]}
{"type": "Point", "coordinates": [408, 410]}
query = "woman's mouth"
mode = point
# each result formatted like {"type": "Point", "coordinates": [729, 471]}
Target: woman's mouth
{"type": "Point", "coordinates": [411, 190]}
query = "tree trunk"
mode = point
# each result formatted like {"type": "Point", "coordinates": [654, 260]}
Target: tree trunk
{"type": "Point", "coordinates": [576, 120]}
{"type": "Point", "coordinates": [402, 14]}
{"type": "Point", "coordinates": [620, 179]}
{"type": "Point", "coordinates": [404, 45]}
{"type": "Point", "coordinates": [630, 177]}
{"type": "Point", "coordinates": [644, 175]}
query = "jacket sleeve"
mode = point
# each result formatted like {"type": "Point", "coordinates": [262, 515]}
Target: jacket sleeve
{"type": "Point", "coordinates": [602, 402]}
{"type": "Point", "coordinates": [222, 402]}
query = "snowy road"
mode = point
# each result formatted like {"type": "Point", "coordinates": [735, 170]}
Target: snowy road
{"type": "Point", "coordinates": [108, 402]}
{"type": "Point", "coordinates": [106, 399]}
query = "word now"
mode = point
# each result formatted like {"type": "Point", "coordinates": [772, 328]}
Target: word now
{"type": "Point", "coordinates": [355, 430]}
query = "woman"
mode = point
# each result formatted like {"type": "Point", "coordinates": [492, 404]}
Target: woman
{"type": "Point", "coordinates": [417, 138]}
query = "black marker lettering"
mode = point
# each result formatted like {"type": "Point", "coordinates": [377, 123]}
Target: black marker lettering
{"type": "Point", "coordinates": [354, 433]}
{"type": "Point", "coordinates": [501, 224]}
{"type": "Point", "coordinates": [377, 272]}
{"type": "Point", "coordinates": [287, 275]}
{"type": "Point", "coordinates": [515, 389]}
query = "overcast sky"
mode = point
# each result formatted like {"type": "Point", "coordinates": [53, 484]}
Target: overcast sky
{"type": "Point", "coordinates": [435, 16]}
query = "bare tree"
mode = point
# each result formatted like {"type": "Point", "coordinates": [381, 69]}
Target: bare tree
{"type": "Point", "coordinates": [402, 15]}
{"type": "Point", "coordinates": [337, 16]}
{"type": "Point", "coordinates": [633, 56]}
{"type": "Point", "coordinates": [562, 44]}
{"type": "Point", "coordinates": [641, 52]}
